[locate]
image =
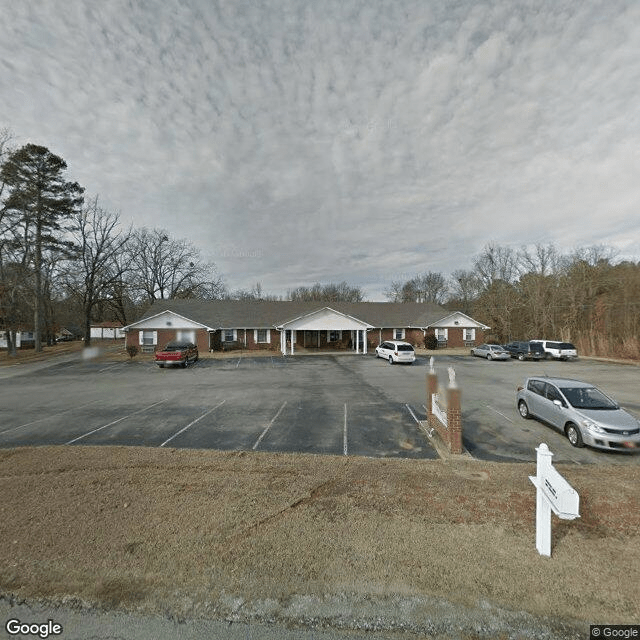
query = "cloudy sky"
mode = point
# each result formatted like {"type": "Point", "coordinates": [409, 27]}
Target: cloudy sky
{"type": "Point", "coordinates": [297, 141]}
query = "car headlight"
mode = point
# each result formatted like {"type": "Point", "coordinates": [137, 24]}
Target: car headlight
{"type": "Point", "coordinates": [593, 426]}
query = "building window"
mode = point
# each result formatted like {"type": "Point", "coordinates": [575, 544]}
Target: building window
{"type": "Point", "coordinates": [262, 335]}
{"type": "Point", "coordinates": [469, 335]}
{"type": "Point", "coordinates": [228, 335]}
{"type": "Point", "coordinates": [441, 335]}
{"type": "Point", "coordinates": [398, 334]}
{"type": "Point", "coordinates": [335, 336]}
{"type": "Point", "coordinates": [148, 338]}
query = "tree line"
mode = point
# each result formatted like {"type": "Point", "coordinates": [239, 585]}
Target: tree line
{"type": "Point", "coordinates": [586, 297]}
{"type": "Point", "coordinates": [64, 259]}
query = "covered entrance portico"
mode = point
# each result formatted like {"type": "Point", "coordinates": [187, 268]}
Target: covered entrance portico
{"type": "Point", "coordinates": [324, 328]}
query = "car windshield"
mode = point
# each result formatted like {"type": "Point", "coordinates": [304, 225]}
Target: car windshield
{"type": "Point", "coordinates": [588, 398]}
{"type": "Point", "coordinates": [175, 346]}
{"type": "Point", "coordinates": [405, 347]}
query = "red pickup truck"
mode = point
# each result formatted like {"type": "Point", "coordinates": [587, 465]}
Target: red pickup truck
{"type": "Point", "coordinates": [177, 352]}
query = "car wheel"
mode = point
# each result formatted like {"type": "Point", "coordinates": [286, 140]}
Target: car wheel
{"type": "Point", "coordinates": [489, 356]}
{"type": "Point", "coordinates": [161, 366]}
{"type": "Point", "coordinates": [574, 435]}
{"type": "Point", "coordinates": [521, 357]}
{"type": "Point", "coordinates": [390, 359]}
{"type": "Point", "coordinates": [523, 410]}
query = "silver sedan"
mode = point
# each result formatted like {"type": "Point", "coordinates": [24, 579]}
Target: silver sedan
{"type": "Point", "coordinates": [491, 352]}
{"type": "Point", "coordinates": [580, 411]}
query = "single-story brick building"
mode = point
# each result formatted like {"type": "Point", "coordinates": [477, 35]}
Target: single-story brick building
{"type": "Point", "coordinates": [287, 326]}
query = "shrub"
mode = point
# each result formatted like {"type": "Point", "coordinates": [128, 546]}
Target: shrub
{"type": "Point", "coordinates": [430, 341]}
{"type": "Point", "coordinates": [132, 350]}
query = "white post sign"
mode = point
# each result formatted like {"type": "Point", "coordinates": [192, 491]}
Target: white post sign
{"type": "Point", "coordinates": [555, 494]}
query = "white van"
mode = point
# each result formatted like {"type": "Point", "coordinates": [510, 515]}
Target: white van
{"type": "Point", "coordinates": [558, 350]}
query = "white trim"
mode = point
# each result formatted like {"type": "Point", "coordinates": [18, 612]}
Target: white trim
{"type": "Point", "coordinates": [463, 320]}
{"type": "Point", "coordinates": [268, 336]}
{"type": "Point", "coordinates": [164, 312]}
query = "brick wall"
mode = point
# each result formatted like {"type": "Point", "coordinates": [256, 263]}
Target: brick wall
{"type": "Point", "coordinates": [451, 433]}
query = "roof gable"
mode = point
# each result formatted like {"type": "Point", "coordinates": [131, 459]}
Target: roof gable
{"type": "Point", "coordinates": [166, 319]}
{"type": "Point", "coordinates": [458, 319]}
{"type": "Point", "coordinates": [325, 318]}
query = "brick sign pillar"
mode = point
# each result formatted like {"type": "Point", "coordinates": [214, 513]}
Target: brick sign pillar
{"type": "Point", "coordinates": [432, 387]}
{"type": "Point", "coordinates": [454, 419]}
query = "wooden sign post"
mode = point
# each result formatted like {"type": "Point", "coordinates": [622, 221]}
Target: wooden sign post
{"type": "Point", "coordinates": [555, 494]}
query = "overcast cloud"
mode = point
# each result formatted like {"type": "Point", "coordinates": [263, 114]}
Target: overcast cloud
{"type": "Point", "coordinates": [296, 141]}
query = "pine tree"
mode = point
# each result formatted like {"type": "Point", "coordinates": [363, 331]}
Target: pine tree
{"type": "Point", "coordinates": [39, 200]}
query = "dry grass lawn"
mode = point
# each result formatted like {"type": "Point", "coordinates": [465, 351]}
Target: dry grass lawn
{"type": "Point", "coordinates": [186, 532]}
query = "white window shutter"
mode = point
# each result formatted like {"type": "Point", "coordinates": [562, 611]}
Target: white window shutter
{"type": "Point", "coordinates": [269, 336]}
{"type": "Point", "coordinates": [140, 337]}
{"type": "Point", "coordinates": [155, 337]}
{"type": "Point", "coordinates": [255, 336]}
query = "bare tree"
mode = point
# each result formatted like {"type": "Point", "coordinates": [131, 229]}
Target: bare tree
{"type": "Point", "coordinates": [465, 287]}
{"type": "Point", "coordinates": [167, 268]}
{"type": "Point", "coordinates": [95, 269]}
{"type": "Point", "coordinates": [425, 287]}
{"type": "Point", "coordinates": [497, 263]}
{"type": "Point", "coordinates": [341, 292]}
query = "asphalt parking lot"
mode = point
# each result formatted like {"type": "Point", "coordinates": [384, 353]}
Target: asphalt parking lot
{"type": "Point", "coordinates": [325, 404]}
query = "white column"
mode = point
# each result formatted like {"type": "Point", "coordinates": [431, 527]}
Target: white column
{"type": "Point", "coordinates": [293, 339]}
{"type": "Point", "coordinates": [364, 341]}
{"type": "Point", "coordinates": [283, 342]}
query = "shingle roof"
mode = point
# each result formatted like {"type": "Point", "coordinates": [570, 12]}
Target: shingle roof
{"type": "Point", "coordinates": [253, 314]}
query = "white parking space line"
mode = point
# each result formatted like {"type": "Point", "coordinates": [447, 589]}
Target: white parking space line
{"type": "Point", "coordinates": [238, 363]}
{"type": "Point", "coordinates": [104, 426]}
{"type": "Point", "coordinates": [266, 429]}
{"type": "Point", "coordinates": [412, 414]}
{"type": "Point", "coordinates": [49, 415]}
{"type": "Point", "coordinates": [206, 413]}
{"type": "Point", "coordinates": [111, 366]}
{"type": "Point", "coordinates": [344, 434]}
{"type": "Point", "coordinates": [500, 414]}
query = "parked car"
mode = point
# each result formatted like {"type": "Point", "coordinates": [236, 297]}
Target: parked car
{"type": "Point", "coordinates": [558, 350]}
{"type": "Point", "coordinates": [579, 410]}
{"type": "Point", "coordinates": [177, 352]}
{"type": "Point", "coordinates": [396, 351]}
{"type": "Point", "coordinates": [524, 350]}
{"type": "Point", "coordinates": [491, 352]}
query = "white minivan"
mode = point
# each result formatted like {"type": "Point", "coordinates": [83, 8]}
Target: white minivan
{"type": "Point", "coordinates": [558, 350]}
{"type": "Point", "coordinates": [396, 351]}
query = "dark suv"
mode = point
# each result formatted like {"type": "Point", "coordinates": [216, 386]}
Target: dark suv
{"type": "Point", "coordinates": [525, 350]}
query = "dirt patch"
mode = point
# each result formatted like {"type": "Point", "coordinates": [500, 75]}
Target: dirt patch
{"type": "Point", "coordinates": [212, 534]}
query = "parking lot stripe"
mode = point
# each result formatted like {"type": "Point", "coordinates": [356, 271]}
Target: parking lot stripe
{"type": "Point", "coordinates": [500, 414]}
{"type": "Point", "coordinates": [104, 426]}
{"type": "Point", "coordinates": [206, 413]}
{"type": "Point", "coordinates": [344, 436]}
{"type": "Point", "coordinates": [264, 433]}
{"type": "Point", "coordinates": [51, 415]}
{"type": "Point", "coordinates": [412, 414]}
{"type": "Point", "coordinates": [111, 366]}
